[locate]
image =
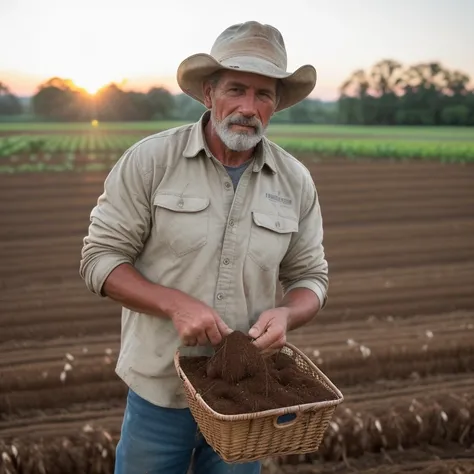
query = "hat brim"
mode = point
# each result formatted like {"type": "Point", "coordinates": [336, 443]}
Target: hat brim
{"type": "Point", "coordinates": [296, 85]}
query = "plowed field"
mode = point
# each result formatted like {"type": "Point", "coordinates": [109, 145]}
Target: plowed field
{"type": "Point", "coordinates": [397, 336]}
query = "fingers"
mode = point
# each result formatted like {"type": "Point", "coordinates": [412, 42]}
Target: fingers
{"type": "Point", "coordinates": [262, 325]}
{"type": "Point", "coordinates": [265, 340]}
{"type": "Point", "coordinates": [258, 329]}
{"type": "Point", "coordinates": [202, 339]}
{"type": "Point", "coordinates": [224, 330]}
{"type": "Point", "coordinates": [196, 339]}
{"type": "Point", "coordinates": [190, 341]}
{"type": "Point", "coordinates": [210, 334]}
{"type": "Point", "coordinates": [272, 339]}
{"type": "Point", "coordinates": [275, 346]}
{"type": "Point", "coordinates": [209, 328]}
{"type": "Point", "coordinates": [213, 335]}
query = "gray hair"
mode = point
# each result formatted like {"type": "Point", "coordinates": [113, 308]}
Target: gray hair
{"type": "Point", "coordinates": [214, 78]}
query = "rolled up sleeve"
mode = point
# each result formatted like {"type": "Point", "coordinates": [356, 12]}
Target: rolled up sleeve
{"type": "Point", "coordinates": [119, 223]}
{"type": "Point", "coordinates": [305, 265]}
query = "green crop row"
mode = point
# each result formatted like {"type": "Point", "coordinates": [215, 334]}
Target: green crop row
{"type": "Point", "coordinates": [42, 167]}
{"type": "Point", "coordinates": [86, 127]}
{"type": "Point", "coordinates": [149, 127]}
{"type": "Point", "coordinates": [59, 143]}
{"type": "Point", "coordinates": [22, 153]}
{"type": "Point", "coordinates": [456, 152]}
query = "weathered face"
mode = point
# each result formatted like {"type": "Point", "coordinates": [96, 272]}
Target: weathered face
{"type": "Point", "coordinates": [241, 107]}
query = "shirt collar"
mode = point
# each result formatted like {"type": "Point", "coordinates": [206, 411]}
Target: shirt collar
{"type": "Point", "coordinates": [196, 143]}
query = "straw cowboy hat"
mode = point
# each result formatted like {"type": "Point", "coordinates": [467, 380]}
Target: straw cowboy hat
{"type": "Point", "coordinates": [249, 47]}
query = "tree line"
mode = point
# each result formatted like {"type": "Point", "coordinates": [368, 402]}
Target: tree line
{"type": "Point", "coordinates": [388, 93]}
{"type": "Point", "coordinates": [392, 94]}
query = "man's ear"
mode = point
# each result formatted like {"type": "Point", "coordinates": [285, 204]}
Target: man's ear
{"type": "Point", "coordinates": [207, 91]}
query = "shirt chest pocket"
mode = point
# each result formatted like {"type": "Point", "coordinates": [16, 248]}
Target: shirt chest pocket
{"type": "Point", "coordinates": [182, 222]}
{"type": "Point", "coordinates": [270, 236]}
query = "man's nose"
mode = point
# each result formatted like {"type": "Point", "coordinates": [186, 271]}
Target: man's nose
{"type": "Point", "coordinates": [248, 105]}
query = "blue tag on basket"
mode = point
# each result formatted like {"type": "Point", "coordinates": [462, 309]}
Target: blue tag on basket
{"type": "Point", "coordinates": [286, 418]}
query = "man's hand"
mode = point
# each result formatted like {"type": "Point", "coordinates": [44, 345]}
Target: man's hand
{"type": "Point", "coordinates": [270, 330]}
{"type": "Point", "coordinates": [298, 307]}
{"type": "Point", "coordinates": [196, 322]}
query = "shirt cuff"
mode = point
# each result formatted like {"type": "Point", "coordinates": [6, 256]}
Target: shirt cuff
{"type": "Point", "coordinates": [103, 267]}
{"type": "Point", "coordinates": [311, 285]}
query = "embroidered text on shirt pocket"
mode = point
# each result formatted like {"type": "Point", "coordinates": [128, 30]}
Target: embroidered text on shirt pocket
{"type": "Point", "coordinates": [270, 236]}
{"type": "Point", "coordinates": [182, 221]}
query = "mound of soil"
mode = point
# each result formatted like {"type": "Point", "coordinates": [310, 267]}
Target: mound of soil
{"type": "Point", "coordinates": [238, 379]}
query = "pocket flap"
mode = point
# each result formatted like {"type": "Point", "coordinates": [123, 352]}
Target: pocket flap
{"type": "Point", "coordinates": [282, 225]}
{"type": "Point", "coordinates": [181, 203]}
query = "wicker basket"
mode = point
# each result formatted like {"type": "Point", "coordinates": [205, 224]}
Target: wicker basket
{"type": "Point", "coordinates": [254, 436]}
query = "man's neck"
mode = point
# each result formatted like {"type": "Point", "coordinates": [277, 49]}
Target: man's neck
{"type": "Point", "coordinates": [226, 156]}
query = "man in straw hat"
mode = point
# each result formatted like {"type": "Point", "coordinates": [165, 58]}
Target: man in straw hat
{"type": "Point", "coordinates": [190, 235]}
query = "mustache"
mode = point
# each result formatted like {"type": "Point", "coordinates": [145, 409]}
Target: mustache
{"type": "Point", "coordinates": [247, 122]}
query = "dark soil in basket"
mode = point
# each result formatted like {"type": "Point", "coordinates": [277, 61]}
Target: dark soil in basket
{"type": "Point", "coordinates": [238, 379]}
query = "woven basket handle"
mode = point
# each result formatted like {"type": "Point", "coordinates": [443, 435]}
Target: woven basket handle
{"type": "Point", "coordinates": [285, 424]}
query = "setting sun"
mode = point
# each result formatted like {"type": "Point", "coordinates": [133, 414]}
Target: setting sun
{"type": "Point", "coordinates": [92, 84]}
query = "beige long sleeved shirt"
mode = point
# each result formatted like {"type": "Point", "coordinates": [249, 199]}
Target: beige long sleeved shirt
{"type": "Point", "coordinates": [169, 208]}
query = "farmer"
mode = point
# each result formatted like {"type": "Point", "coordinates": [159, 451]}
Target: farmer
{"type": "Point", "coordinates": [193, 230]}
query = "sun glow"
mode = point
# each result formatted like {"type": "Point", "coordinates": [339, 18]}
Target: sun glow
{"type": "Point", "coordinates": [92, 84]}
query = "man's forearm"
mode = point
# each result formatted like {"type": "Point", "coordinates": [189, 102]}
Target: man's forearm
{"type": "Point", "coordinates": [303, 305]}
{"type": "Point", "coordinates": [128, 287]}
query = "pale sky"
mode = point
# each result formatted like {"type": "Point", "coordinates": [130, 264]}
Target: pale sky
{"type": "Point", "coordinates": [94, 42]}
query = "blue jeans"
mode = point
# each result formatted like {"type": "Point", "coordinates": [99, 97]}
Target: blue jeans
{"type": "Point", "coordinates": [158, 440]}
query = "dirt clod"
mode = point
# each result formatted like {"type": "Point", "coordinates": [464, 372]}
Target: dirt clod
{"type": "Point", "coordinates": [235, 358]}
{"type": "Point", "coordinates": [238, 379]}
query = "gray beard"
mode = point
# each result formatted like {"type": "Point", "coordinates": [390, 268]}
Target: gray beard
{"type": "Point", "coordinates": [238, 141]}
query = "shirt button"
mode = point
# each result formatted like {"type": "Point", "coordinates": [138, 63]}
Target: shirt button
{"type": "Point", "coordinates": [231, 222]}
{"type": "Point", "coordinates": [220, 296]}
{"type": "Point", "coordinates": [227, 184]}
{"type": "Point", "coordinates": [180, 204]}
{"type": "Point", "coordinates": [277, 224]}
{"type": "Point", "coordinates": [226, 261]}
